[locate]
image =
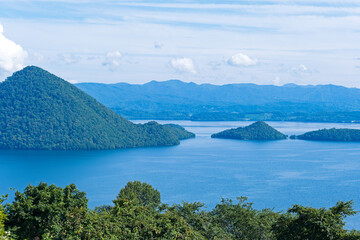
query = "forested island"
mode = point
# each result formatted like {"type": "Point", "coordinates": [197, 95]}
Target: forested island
{"type": "Point", "coordinates": [256, 131]}
{"type": "Point", "coordinates": [331, 135]}
{"type": "Point", "coordinates": [44, 112]}
{"type": "Point", "coordinates": [52, 212]}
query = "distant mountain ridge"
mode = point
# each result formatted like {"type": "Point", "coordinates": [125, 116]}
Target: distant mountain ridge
{"type": "Point", "coordinates": [175, 99]}
{"type": "Point", "coordinates": [42, 111]}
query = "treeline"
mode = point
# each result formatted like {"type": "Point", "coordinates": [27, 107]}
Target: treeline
{"type": "Point", "coordinates": [51, 212]}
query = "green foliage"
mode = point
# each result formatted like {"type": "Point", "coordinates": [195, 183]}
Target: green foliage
{"type": "Point", "coordinates": [42, 111]}
{"type": "Point", "coordinates": [242, 221]}
{"type": "Point", "coordinates": [40, 209]}
{"type": "Point", "coordinates": [144, 222]}
{"type": "Point", "coordinates": [179, 131]}
{"type": "Point", "coordinates": [50, 212]}
{"type": "Point", "coordinates": [256, 131]}
{"type": "Point", "coordinates": [333, 134]}
{"type": "Point", "coordinates": [202, 221]}
{"type": "Point", "coordinates": [314, 224]}
{"type": "Point", "coordinates": [139, 194]}
{"type": "Point", "coordinates": [2, 216]}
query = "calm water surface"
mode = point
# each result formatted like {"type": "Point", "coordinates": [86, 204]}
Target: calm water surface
{"type": "Point", "coordinates": [272, 174]}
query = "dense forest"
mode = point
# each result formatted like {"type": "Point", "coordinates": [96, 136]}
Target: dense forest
{"type": "Point", "coordinates": [256, 131]}
{"type": "Point", "coordinates": [42, 111]}
{"type": "Point", "coordinates": [51, 212]}
{"type": "Point", "coordinates": [175, 100]}
{"type": "Point", "coordinates": [333, 134]}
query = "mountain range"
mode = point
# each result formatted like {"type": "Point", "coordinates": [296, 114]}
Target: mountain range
{"type": "Point", "coordinates": [175, 99]}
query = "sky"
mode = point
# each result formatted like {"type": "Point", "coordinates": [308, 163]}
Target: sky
{"type": "Point", "coordinates": [219, 42]}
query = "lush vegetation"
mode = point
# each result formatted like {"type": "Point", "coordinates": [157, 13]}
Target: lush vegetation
{"type": "Point", "coordinates": [256, 131]}
{"type": "Point", "coordinates": [333, 134]}
{"type": "Point", "coordinates": [51, 212]}
{"type": "Point", "coordinates": [42, 111]}
{"type": "Point", "coordinates": [206, 102]}
{"type": "Point", "coordinates": [3, 234]}
{"type": "Point", "coordinates": [179, 131]}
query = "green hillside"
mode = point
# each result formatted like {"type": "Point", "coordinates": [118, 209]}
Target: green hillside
{"type": "Point", "coordinates": [42, 111]}
{"type": "Point", "coordinates": [256, 131]}
{"type": "Point", "coordinates": [331, 135]}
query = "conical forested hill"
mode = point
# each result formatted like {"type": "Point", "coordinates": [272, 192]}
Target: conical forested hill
{"type": "Point", "coordinates": [256, 131]}
{"type": "Point", "coordinates": [42, 111]}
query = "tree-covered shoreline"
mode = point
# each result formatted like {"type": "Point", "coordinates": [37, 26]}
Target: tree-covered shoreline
{"type": "Point", "coordinates": [331, 135]}
{"type": "Point", "coordinates": [51, 212]}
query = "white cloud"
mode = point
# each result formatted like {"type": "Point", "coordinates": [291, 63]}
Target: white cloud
{"type": "Point", "coordinates": [112, 59]}
{"type": "Point", "coordinates": [12, 55]}
{"type": "Point", "coordinates": [300, 71]}
{"type": "Point", "coordinates": [69, 58]}
{"type": "Point", "coordinates": [183, 65]}
{"type": "Point", "coordinates": [158, 44]}
{"type": "Point", "coordinates": [241, 60]}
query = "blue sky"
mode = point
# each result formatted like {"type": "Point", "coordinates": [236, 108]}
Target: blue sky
{"type": "Point", "coordinates": [219, 42]}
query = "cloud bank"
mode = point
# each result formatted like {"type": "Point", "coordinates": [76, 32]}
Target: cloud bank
{"type": "Point", "coordinates": [184, 65]}
{"type": "Point", "coordinates": [12, 55]}
{"type": "Point", "coordinates": [241, 60]}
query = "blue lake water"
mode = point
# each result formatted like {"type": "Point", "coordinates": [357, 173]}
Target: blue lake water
{"type": "Point", "coordinates": [273, 174]}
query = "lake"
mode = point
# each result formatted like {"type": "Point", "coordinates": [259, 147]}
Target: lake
{"type": "Point", "coordinates": [273, 174]}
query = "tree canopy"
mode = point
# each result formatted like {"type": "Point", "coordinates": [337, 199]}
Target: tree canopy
{"type": "Point", "coordinates": [51, 212]}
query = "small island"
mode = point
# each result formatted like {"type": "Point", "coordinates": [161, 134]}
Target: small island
{"type": "Point", "coordinates": [256, 131]}
{"type": "Point", "coordinates": [331, 135]}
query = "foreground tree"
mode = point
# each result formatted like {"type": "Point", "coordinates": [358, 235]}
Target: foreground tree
{"type": "Point", "coordinates": [242, 221]}
{"type": "Point", "coordinates": [307, 223]}
{"type": "Point", "coordinates": [41, 209]}
{"type": "Point", "coordinates": [140, 194]}
{"type": "Point", "coordinates": [2, 218]}
{"type": "Point", "coordinates": [202, 221]}
{"type": "Point", "coordinates": [50, 212]}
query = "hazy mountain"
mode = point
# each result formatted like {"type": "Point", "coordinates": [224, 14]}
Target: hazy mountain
{"type": "Point", "coordinates": [174, 99]}
{"type": "Point", "coordinates": [42, 111]}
